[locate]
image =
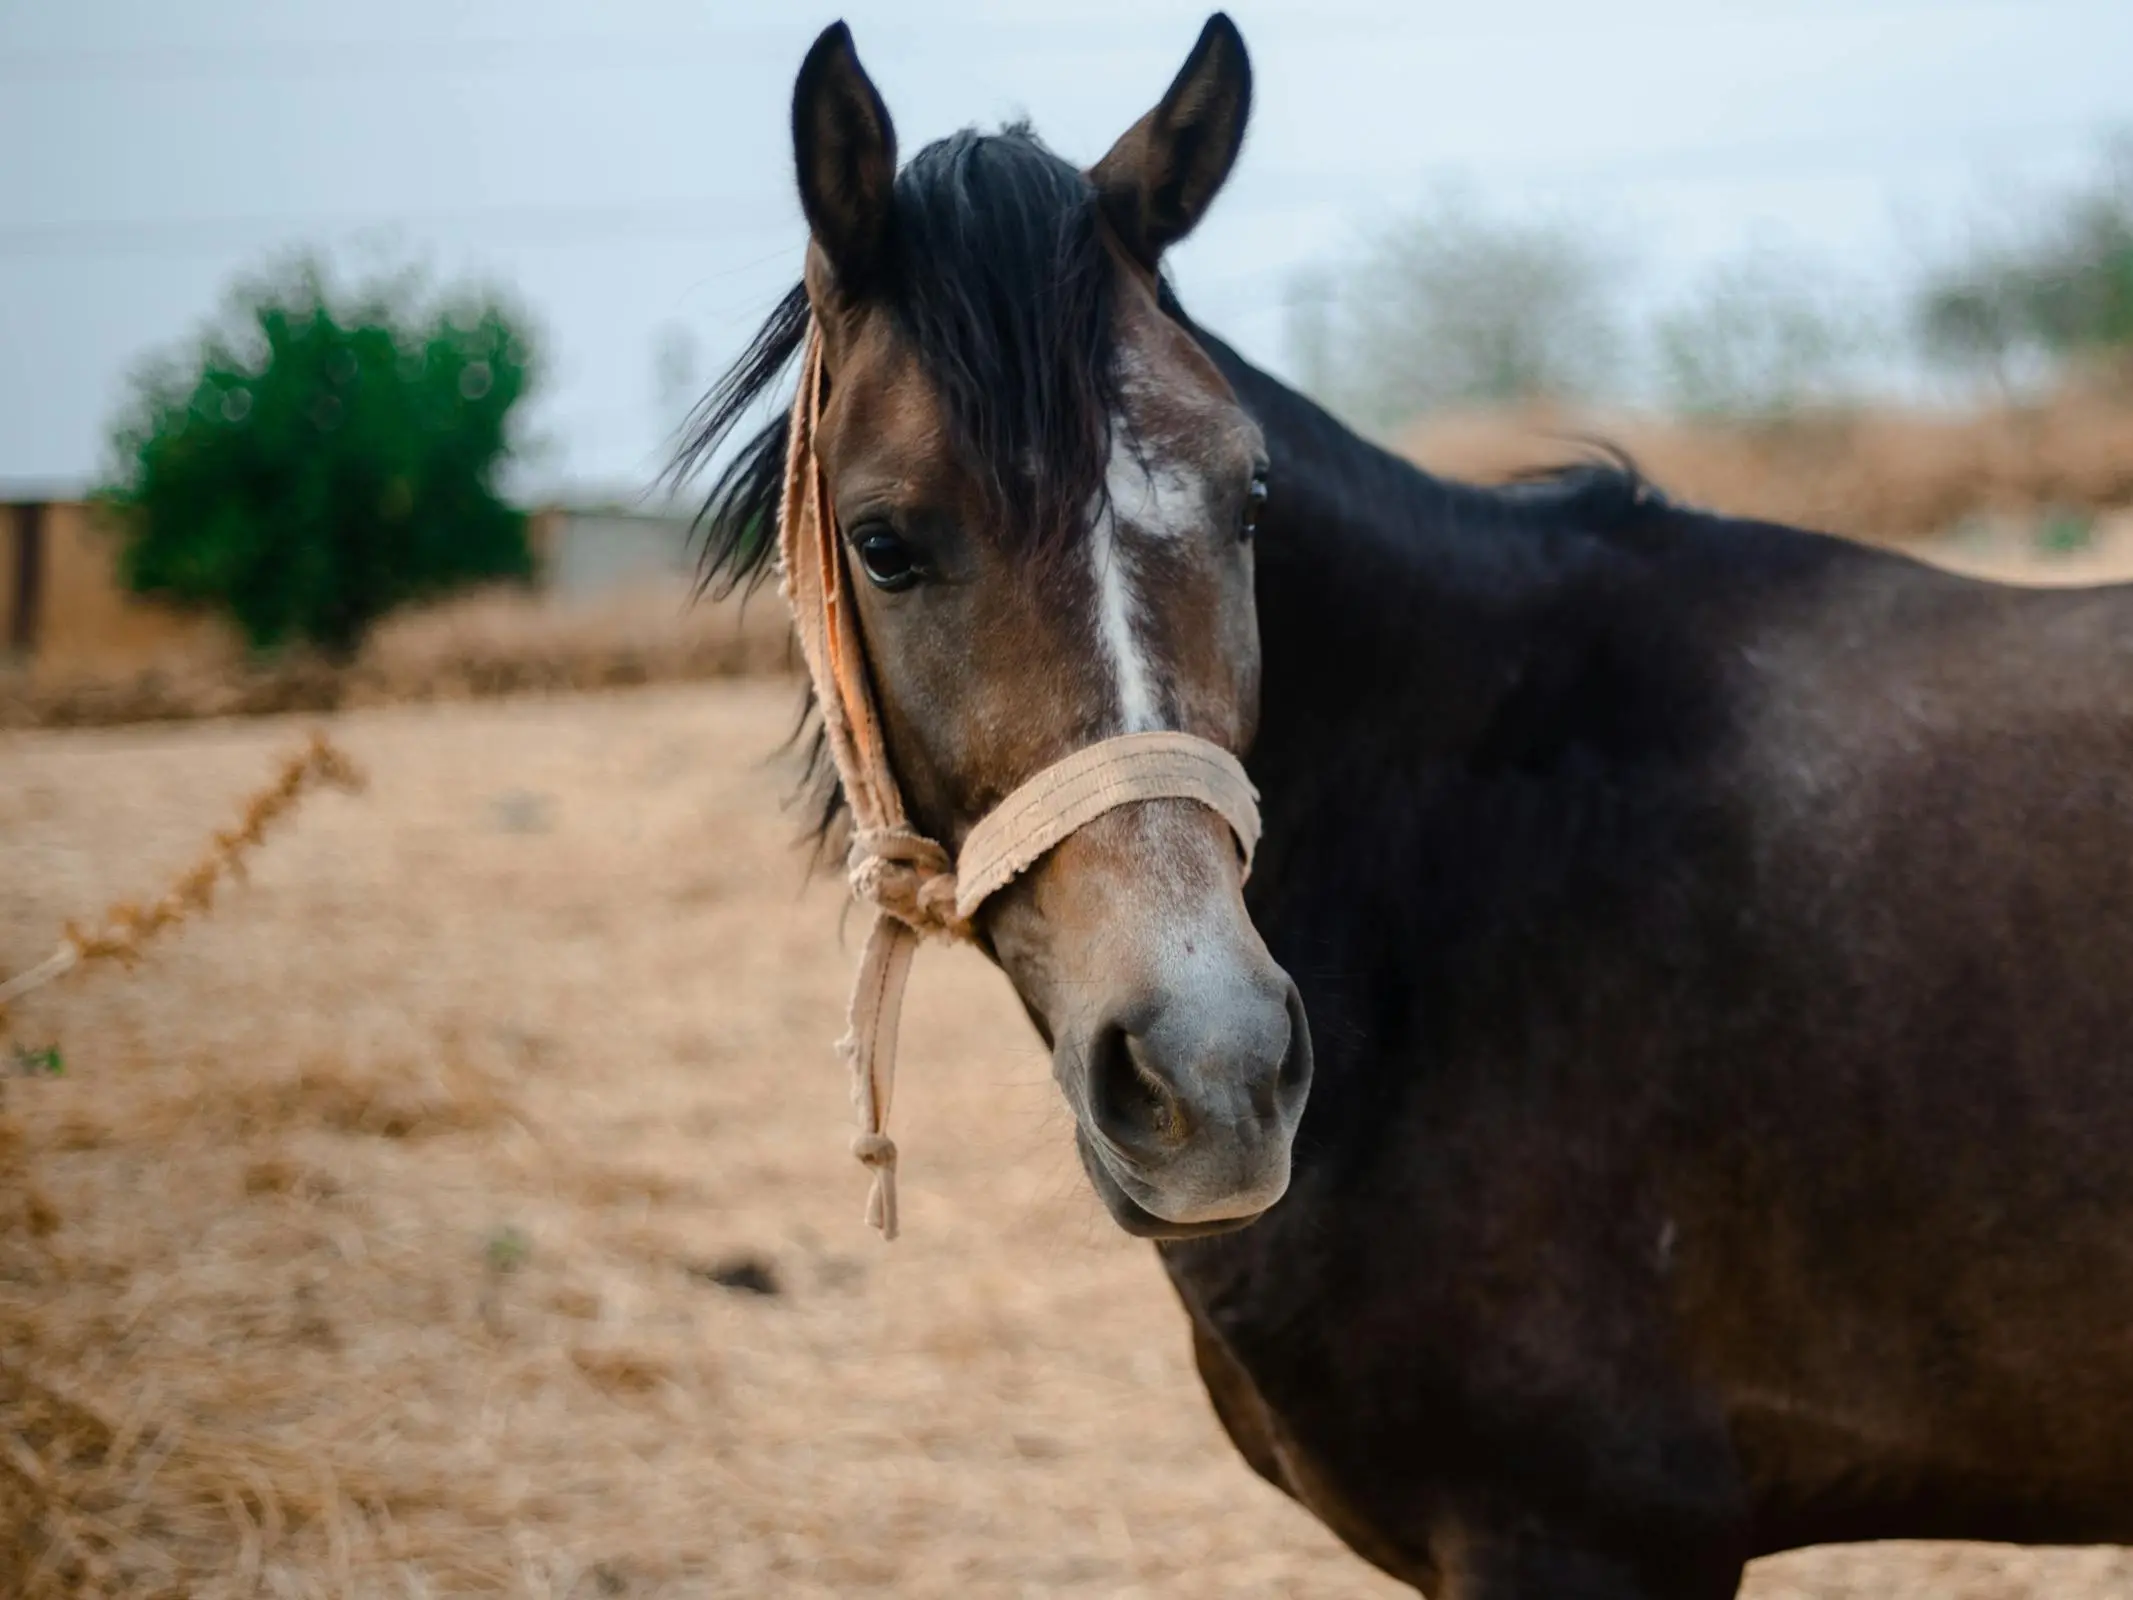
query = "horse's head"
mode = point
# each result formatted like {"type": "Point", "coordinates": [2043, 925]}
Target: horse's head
{"type": "Point", "coordinates": [1050, 492]}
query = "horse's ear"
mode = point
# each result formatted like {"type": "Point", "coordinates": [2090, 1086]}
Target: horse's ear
{"type": "Point", "coordinates": [844, 147]}
{"type": "Point", "coordinates": [1159, 179]}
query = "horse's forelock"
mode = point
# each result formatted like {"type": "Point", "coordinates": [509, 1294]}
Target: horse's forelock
{"type": "Point", "coordinates": [1005, 290]}
{"type": "Point", "coordinates": [1001, 281]}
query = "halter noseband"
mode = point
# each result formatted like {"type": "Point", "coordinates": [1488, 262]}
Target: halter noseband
{"type": "Point", "coordinates": [907, 878]}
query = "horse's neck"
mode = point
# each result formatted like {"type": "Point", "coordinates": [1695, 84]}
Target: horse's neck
{"type": "Point", "coordinates": [1391, 625]}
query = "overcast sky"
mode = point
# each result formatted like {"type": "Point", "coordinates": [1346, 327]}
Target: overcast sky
{"type": "Point", "coordinates": [623, 167]}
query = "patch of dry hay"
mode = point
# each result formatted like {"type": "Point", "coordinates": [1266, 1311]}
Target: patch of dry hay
{"type": "Point", "coordinates": [406, 1229]}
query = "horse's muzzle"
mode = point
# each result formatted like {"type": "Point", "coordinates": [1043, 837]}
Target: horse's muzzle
{"type": "Point", "coordinates": [1191, 1104]}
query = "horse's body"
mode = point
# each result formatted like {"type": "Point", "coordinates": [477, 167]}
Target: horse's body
{"type": "Point", "coordinates": [1718, 941]}
{"type": "Point", "coordinates": [1717, 938]}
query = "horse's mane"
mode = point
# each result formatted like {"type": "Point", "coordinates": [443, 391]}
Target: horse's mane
{"type": "Point", "coordinates": [998, 278]}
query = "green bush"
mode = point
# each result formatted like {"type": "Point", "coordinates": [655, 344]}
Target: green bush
{"type": "Point", "coordinates": [316, 461]}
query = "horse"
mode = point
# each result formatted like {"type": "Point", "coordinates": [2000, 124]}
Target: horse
{"type": "Point", "coordinates": [1663, 1094]}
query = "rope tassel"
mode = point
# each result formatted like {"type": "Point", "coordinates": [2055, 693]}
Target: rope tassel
{"type": "Point", "coordinates": [869, 1051]}
{"type": "Point", "coordinates": [916, 890]}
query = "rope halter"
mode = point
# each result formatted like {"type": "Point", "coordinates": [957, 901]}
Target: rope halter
{"type": "Point", "coordinates": [909, 879]}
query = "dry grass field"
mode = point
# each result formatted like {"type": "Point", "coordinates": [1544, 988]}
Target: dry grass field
{"type": "Point", "coordinates": [463, 1208]}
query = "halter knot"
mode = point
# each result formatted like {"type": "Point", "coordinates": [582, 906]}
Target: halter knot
{"type": "Point", "coordinates": [907, 876]}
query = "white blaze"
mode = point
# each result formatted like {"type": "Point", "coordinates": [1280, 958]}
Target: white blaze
{"type": "Point", "coordinates": [1153, 501]}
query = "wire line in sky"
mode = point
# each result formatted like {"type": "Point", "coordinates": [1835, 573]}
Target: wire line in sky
{"type": "Point", "coordinates": [769, 211]}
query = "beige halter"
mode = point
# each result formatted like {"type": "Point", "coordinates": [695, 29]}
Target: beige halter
{"type": "Point", "coordinates": [908, 879]}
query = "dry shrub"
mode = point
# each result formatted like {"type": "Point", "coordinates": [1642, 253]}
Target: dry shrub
{"type": "Point", "coordinates": [1886, 476]}
{"type": "Point", "coordinates": [127, 925]}
{"type": "Point", "coordinates": [495, 642]}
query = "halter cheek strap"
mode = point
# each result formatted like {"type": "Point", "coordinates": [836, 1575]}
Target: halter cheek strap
{"type": "Point", "coordinates": [908, 879]}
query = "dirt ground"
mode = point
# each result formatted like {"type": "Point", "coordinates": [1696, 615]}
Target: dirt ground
{"type": "Point", "coordinates": [404, 1228]}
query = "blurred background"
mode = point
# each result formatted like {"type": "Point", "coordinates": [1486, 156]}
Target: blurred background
{"type": "Point", "coordinates": [463, 1207]}
{"type": "Point", "coordinates": [1864, 265]}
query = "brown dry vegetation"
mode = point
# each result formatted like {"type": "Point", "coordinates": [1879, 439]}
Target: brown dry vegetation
{"type": "Point", "coordinates": [401, 1228]}
{"type": "Point", "coordinates": [477, 646]}
{"type": "Point", "coordinates": [1889, 477]}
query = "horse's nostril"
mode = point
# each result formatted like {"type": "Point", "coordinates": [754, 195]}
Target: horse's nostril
{"type": "Point", "coordinates": [1130, 1104]}
{"type": "Point", "coordinates": [1296, 1064]}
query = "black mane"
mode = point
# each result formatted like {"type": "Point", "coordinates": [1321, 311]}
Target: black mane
{"type": "Point", "coordinates": [999, 279]}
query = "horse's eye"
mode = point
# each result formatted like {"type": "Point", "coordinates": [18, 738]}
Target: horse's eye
{"type": "Point", "coordinates": [1254, 504]}
{"type": "Point", "coordinates": [889, 562]}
